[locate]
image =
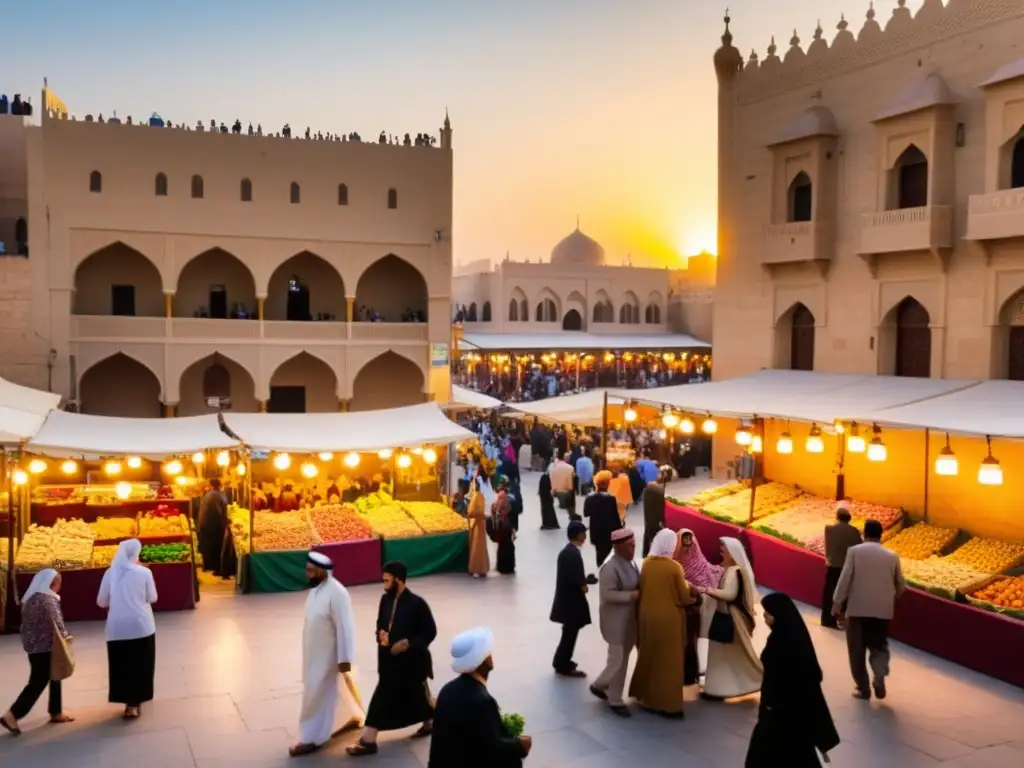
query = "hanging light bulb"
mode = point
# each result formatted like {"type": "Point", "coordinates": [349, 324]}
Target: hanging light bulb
{"type": "Point", "coordinates": [839, 427]}
{"type": "Point", "coordinates": [309, 470]}
{"type": "Point", "coordinates": [223, 459]}
{"type": "Point", "coordinates": [352, 460]}
{"type": "Point", "coordinates": [662, 434]}
{"type": "Point", "coordinates": [134, 462]}
{"type": "Point", "coordinates": [198, 457]}
{"type": "Point", "coordinates": [19, 477]}
{"type": "Point", "coordinates": [629, 414]}
{"type": "Point", "coordinates": [710, 426]}
{"type": "Point", "coordinates": [325, 456]}
{"type": "Point", "coordinates": [756, 444]}
{"type": "Point", "coordinates": [990, 473]}
{"type": "Point", "coordinates": [784, 444]}
{"type": "Point", "coordinates": [112, 468]}
{"type": "Point", "coordinates": [814, 442]}
{"type": "Point", "coordinates": [123, 490]}
{"type": "Point", "coordinates": [686, 426]}
{"type": "Point", "coordinates": [417, 451]}
{"type": "Point", "coordinates": [855, 443]}
{"type": "Point", "coordinates": [240, 470]}
{"type": "Point", "coordinates": [946, 463]}
{"type": "Point", "coordinates": [669, 419]}
{"type": "Point", "coordinates": [385, 453]}
{"type": "Point", "coordinates": [430, 456]}
{"type": "Point", "coordinates": [744, 436]}
{"type": "Point", "coordinates": [182, 480]}
{"type": "Point", "coordinates": [404, 461]}
{"type": "Point", "coordinates": [173, 467]}
{"type": "Point", "coordinates": [876, 448]}
{"type": "Point", "coordinates": [37, 466]}
{"type": "Point", "coordinates": [282, 461]}
{"type": "Point", "coordinates": [69, 467]}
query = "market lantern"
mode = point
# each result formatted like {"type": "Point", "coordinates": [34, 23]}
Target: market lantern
{"type": "Point", "coordinates": [744, 436]}
{"type": "Point", "coordinates": [990, 473]}
{"type": "Point", "coordinates": [282, 461]}
{"type": "Point", "coordinates": [404, 461]}
{"type": "Point", "coordinates": [946, 463]}
{"type": "Point", "coordinates": [37, 466]}
{"type": "Point", "coordinates": [240, 469]}
{"type": "Point", "coordinates": [686, 426]}
{"type": "Point", "coordinates": [417, 451]}
{"type": "Point", "coordinates": [839, 427]}
{"type": "Point", "coordinates": [182, 480]}
{"type": "Point", "coordinates": [384, 453]}
{"type": "Point", "coordinates": [112, 468]}
{"type": "Point", "coordinates": [756, 444]}
{"type": "Point", "coordinates": [629, 414]}
{"type": "Point", "coordinates": [876, 448]}
{"type": "Point", "coordinates": [69, 467]}
{"type": "Point", "coordinates": [855, 443]}
{"type": "Point", "coordinates": [669, 419]}
{"type": "Point", "coordinates": [710, 426]}
{"type": "Point", "coordinates": [351, 460]}
{"type": "Point", "coordinates": [123, 490]}
{"type": "Point", "coordinates": [134, 462]}
{"type": "Point", "coordinates": [784, 444]}
{"type": "Point", "coordinates": [308, 469]}
{"type": "Point", "coordinates": [19, 477]}
{"type": "Point", "coordinates": [430, 456]}
{"type": "Point", "coordinates": [814, 442]}
{"type": "Point", "coordinates": [223, 459]}
{"type": "Point", "coordinates": [198, 457]}
{"type": "Point", "coordinates": [173, 467]}
{"type": "Point", "coordinates": [325, 456]}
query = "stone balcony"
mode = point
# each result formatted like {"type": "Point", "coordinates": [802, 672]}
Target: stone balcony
{"type": "Point", "coordinates": [995, 215]}
{"type": "Point", "coordinates": [801, 242]}
{"type": "Point", "coordinates": [928, 229]}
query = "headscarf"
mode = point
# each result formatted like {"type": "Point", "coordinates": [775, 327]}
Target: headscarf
{"type": "Point", "coordinates": [664, 543]}
{"type": "Point", "coordinates": [470, 649]}
{"type": "Point", "coordinates": [789, 649]}
{"type": "Point", "coordinates": [320, 560]}
{"type": "Point", "coordinates": [125, 561]}
{"type": "Point", "coordinates": [397, 569]}
{"type": "Point", "coordinates": [41, 585]}
{"type": "Point", "coordinates": [699, 570]}
{"type": "Point", "coordinates": [739, 554]}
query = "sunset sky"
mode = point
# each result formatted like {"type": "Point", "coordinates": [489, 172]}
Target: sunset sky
{"type": "Point", "coordinates": [601, 108]}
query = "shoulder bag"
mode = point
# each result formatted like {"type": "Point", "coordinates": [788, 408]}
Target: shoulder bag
{"type": "Point", "coordinates": [62, 663]}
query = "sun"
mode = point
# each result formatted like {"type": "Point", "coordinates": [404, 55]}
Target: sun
{"type": "Point", "coordinates": [698, 240]}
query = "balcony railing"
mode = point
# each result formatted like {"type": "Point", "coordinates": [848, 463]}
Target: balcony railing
{"type": "Point", "coordinates": [996, 215]}
{"type": "Point", "coordinates": [118, 327]}
{"type": "Point", "coordinates": [908, 229]}
{"type": "Point", "coordinates": [798, 242]}
{"type": "Point", "coordinates": [389, 331]}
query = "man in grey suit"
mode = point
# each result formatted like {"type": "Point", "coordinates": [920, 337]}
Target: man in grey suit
{"type": "Point", "coordinates": [866, 594]}
{"type": "Point", "coordinates": [839, 537]}
{"type": "Point", "coordinates": [620, 594]}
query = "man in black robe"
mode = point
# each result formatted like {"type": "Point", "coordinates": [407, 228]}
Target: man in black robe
{"type": "Point", "coordinates": [213, 524]}
{"type": "Point", "coordinates": [603, 512]}
{"type": "Point", "coordinates": [468, 730]}
{"type": "Point", "coordinates": [570, 607]}
{"type": "Point", "coordinates": [405, 630]}
{"type": "Point", "coordinates": [654, 508]}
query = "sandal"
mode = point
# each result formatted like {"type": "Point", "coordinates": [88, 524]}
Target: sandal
{"type": "Point", "coordinates": [302, 749]}
{"type": "Point", "coordinates": [131, 713]}
{"type": "Point", "coordinates": [14, 730]}
{"type": "Point", "coordinates": [62, 718]}
{"type": "Point", "coordinates": [361, 749]}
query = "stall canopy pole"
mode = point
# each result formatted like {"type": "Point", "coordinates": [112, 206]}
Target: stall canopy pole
{"type": "Point", "coordinates": [579, 363]}
{"type": "Point", "coordinates": [840, 467]}
{"type": "Point", "coordinates": [927, 468]}
{"type": "Point", "coordinates": [604, 432]}
{"type": "Point", "coordinates": [758, 468]}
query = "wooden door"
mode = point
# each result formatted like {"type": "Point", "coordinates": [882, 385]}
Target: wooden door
{"type": "Point", "coordinates": [1015, 354]}
{"type": "Point", "coordinates": [913, 340]}
{"type": "Point", "coordinates": [801, 343]}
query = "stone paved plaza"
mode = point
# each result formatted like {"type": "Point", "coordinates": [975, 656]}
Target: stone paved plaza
{"type": "Point", "coordinates": [228, 691]}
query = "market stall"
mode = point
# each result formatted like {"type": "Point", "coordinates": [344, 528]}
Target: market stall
{"type": "Point", "coordinates": [464, 398]}
{"type": "Point", "coordinates": [358, 486]}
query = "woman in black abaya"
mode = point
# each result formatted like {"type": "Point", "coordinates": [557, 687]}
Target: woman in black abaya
{"type": "Point", "coordinates": [793, 722]}
{"type": "Point", "coordinates": [548, 518]}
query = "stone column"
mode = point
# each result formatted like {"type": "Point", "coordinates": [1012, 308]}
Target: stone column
{"type": "Point", "coordinates": [259, 307]}
{"type": "Point", "coordinates": [168, 305]}
{"type": "Point", "coordinates": [263, 406]}
{"type": "Point", "coordinates": [344, 404]}
{"type": "Point", "coordinates": [350, 305]}
{"type": "Point", "coordinates": [170, 410]}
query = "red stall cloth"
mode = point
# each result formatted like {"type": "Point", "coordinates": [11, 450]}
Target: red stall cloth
{"type": "Point", "coordinates": [786, 567]}
{"type": "Point", "coordinates": [355, 562]}
{"type": "Point", "coordinates": [707, 530]}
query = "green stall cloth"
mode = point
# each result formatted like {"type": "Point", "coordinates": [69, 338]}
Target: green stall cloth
{"type": "Point", "coordinates": [423, 555]}
{"type": "Point", "coordinates": [283, 571]}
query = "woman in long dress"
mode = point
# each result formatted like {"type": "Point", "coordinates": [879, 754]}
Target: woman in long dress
{"type": "Point", "coordinates": [548, 518]}
{"type": "Point", "coordinates": [699, 570]}
{"type": "Point", "coordinates": [657, 682]}
{"type": "Point", "coordinates": [733, 669]}
{"type": "Point", "coordinates": [127, 591]}
{"type": "Point", "coordinates": [503, 523]}
{"type": "Point", "coordinates": [793, 720]}
{"type": "Point", "coordinates": [479, 558]}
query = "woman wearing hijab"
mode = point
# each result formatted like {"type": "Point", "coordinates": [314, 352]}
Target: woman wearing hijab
{"type": "Point", "coordinates": [699, 571]}
{"type": "Point", "coordinates": [127, 592]}
{"type": "Point", "coordinates": [657, 682]}
{"type": "Point", "coordinates": [734, 669]}
{"type": "Point", "coordinates": [793, 721]}
{"type": "Point", "coordinates": [479, 558]}
{"type": "Point", "coordinates": [548, 518]}
{"type": "Point", "coordinates": [40, 618]}
{"type": "Point", "coordinates": [503, 523]}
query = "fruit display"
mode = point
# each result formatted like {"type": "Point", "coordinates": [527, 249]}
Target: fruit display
{"type": "Point", "coordinates": [113, 528]}
{"type": "Point", "coordinates": [802, 520]}
{"type": "Point", "coordinates": [103, 555]}
{"type": "Point", "coordinates": [35, 551]}
{"type": "Point", "coordinates": [165, 553]}
{"type": "Point", "coordinates": [152, 524]}
{"type": "Point", "coordinates": [921, 541]}
{"type": "Point", "coordinates": [938, 575]}
{"type": "Point", "coordinates": [769, 498]}
{"type": "Point", "coordinates": [71, 553]}
{"type": "Point", "coordinates": [73, 529]}
{"type": "Point", "coordinates": [434, 517]}
{"type": "Point", "coordinates": [281, 530]}
{"type": "Point", "coordinates": [1003, 592]}
{"type": "Point", "coordinates": [698, 500]}
{"type": "Point", "coordinates": [889, 517]}
{"type": "Point", "coordinates": [392, 522]}
{"type": "Point", "coordinates": [335, 522]}
{"type": "Point", "coordinates": [988, 556]}
{"type": "Point", "coordinates": [238, 518]}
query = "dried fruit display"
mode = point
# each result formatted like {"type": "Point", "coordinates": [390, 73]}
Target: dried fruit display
{"type": "Point", "coordinates": [35, 552]}
{"type": "Point", "coordinates": [805, 518]}
{"type": "Point", "coordinates": [989, 556]}
{"type": "Point", "coordinates": [113, 528]}
{"type": "Point", "coordinates": [238, 517]}
{"type": "Point", "coordinates": [698, 500]}
{"type": "Point", "coordinates": [434, 517]}
{"type": "Point", "coordinates": [152, 525]}
{"type": "Point", "coordinates": [103, 555]}
{"type": "Point", "coordinates": [392, 522]}
{"type": "Point", "coordinates": [865, 510]}
{"type": "Point", "coordinates": [921, 541]}
{"type": "Point", "coordinates": [770, 498]}
{"type": "Point", "coordinates": [73, 528]}
{"type": "Point", "coordinates": [335, 522]}
{"type": "Point", "coordinates": [1004, 592]}
{"type": "Point", "coordinates": [938, 575]}
{"type": "Point", "coordinates": [71, 553]}
{"type": "Point", "coordinates": [281, 530]}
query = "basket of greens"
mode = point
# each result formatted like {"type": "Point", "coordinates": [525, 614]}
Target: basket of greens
{"type": "Point", "coordinates": [513, 723]}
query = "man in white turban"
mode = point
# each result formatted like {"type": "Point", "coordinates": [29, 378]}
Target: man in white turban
{"type": "Point", "coordinates": [328, 646]}
{"type": "Point", "coordinates": [467, 722]}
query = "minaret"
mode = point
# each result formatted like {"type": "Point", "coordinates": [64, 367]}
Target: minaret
{"type": "Point", "coordinates": [728, 64]}
{"type": "Point", "coordinates": [446, 132]}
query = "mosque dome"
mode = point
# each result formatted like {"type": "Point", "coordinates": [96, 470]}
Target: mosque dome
{"type": "Point", "coordinates": [579, 250]}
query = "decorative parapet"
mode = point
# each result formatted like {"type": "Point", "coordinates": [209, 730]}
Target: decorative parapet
{"type": "Point", "coordinates": [903, 32]}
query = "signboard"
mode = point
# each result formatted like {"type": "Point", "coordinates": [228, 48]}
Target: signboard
{"type": "Point", "coordinates": [439, 355]}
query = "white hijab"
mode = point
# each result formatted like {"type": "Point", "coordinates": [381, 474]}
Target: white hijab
{"type": "Point", "coordinates": [739, 554]}
{"type": "Point", "coordinates": [664, 543]}
{"type": "Point", "coordinates": [125, 561]}
{"type": "Point", "coordinates": [41, 583]}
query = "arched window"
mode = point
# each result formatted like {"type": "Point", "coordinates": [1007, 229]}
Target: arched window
{"type": "Point", "coordinates": [342, 194]}
{"type": "Point", "coordinates": [95, 182]}
{"type": "Point", "coordinates": [524, 311]}
{"type": "Point", "coordinates": [21, 237]}
{"type": "Point", "coordinates": [913, 340]}
{"type": "Point", "coordinates": [296, 193]}
{"type": "Point", "coordinates": [216, 382]}
{"type": "Point", "coordinates": [911, 178]}
{"type": "Point", "coordinates": [161, 185]}
{"type": "Point", "coordinates": [245, 191]}
{"type": "Point", "coordinates": [626, 314]}
{"type": "Point", "coordinates": [392, 198]}
{"type": "Point", "coordinates": [652, 315]}
{"type": "Point", "coordinates": [197, 187]}
{"type": "Point", "coordinates": [598, 313]}
{"type": "Point", "coordinates": [513, 311]}
{"type": "Point", "coordinates": [471, 315]}
{"type": "Point", "coordinates": [801, 339]}
{"type": "Point", "coordinates": [572, 321]}
{"type": "Point", "coordinates": [547, 312]}
{"type": "Point", "coordinates": [485, 313]}
{"type": "Point", "coordinates": [800, 198]}
{"type": "Point", "coordinates": [1017, 162]}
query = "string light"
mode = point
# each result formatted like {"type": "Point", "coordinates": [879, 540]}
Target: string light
{"type": "Point", "coordinates": [385, 453]}
{"type": "Point", "coordinates": [946, 463]}
{"type": "Point", "coordinates": [990, 472]}
{"type": "Point", "coordinates": [282, 461]}
{"type": "Point", "coordinates": [404, 461]}
{"type": "Point", "coordinates": [69, 467]}
{"type": "Point", "coordinates": [19, 477]}
{"type": "Point", "coordinates": [240, 470]}
{"type": "Point", "coordinates": [112, 468]}
{"type": "Point", "coordinates": [669, 419]}
{"type": "Point", "coordinates": [223, 459]}
{"type": "Point", "coordinates": [756, 444]}
{"type": "Point", "coordinates": [686, 426]}
{"type": "Point", "coordinates": [325, 456]}
{"type": "Point", "coordinates": [839, 427]}
{"type": "Point", "coordinates": [855, 443]}
{"type": "Point", "coordinates": [173, 467]}
{"type": "Point", "coordinates": [198, 457]}
{"type": "Point", "coordinates": [744, 436]}
{"type": "Point", "coordinates": [123, 490]}
{"type": "Point", "coordinates": [134, 462]}
{"type": "Point", "coordinates": [417, 451]}
{"type": "Point", "coordinates": [784, 444]}
{"type": "Point", "coordinates": [629, 414]}
{"type": "Point", "coordinates": [710, 426]}
{"type": "Point", "coordinates": [351, 460]}
{"type": "Point", "coordinates": [876, 448]}
{"type": "Point", "coordinates": [430, 456]}
{"type": "Point", "coordinates": [814, 442]}
{"type": "Point", "coordinates": [309, 470]}
{"type": "Point", "coordinates": [37, 466]}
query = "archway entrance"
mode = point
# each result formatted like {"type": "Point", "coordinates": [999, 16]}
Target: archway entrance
{"type": "Point", "coordinates": [219, 378]}
{"type": "Point", "coordinates": [303, 384]}
{"type": "Point", "coordinates": [801, 351]}
{"type": "Point", "coordinates": [120, 386]}
{"type": "Point", "coordinates": [305, 287]}
{"type": "Point", "coordinates": [913, 339]}
{"type": "Point", "coordinates": [394, 290]}
{"type": "Point", "coordinates": [118, 280]}
{"type": "Point", "coordinates": [388, 381]}
{"type": "Point", "coordinates": [572, 321]}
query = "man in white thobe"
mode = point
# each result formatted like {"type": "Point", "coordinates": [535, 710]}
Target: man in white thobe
{"type": "Point", "coordinates": [328, 646]}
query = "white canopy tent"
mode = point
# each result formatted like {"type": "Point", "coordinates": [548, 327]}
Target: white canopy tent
{"type": "Point", "coordinates": [26, 399]}
{"type": "Point", "coordinates": [75, 434]}
{"type": "Point", "coordinates": [17, 425]}
{"type": "Point", "coordinates": [578, 340]}
{"type": "Point", "coordinates": [411, 426]}
{"type": "Point", "coordinates": [585, 408]}
{"type": "Point", "coordinates": [469, 398]}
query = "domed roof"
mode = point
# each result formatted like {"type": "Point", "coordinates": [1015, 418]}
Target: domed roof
{"type": "Point", "coordinates": [578, 250]}
{"type": "Point", "coordinates": [932, 91]}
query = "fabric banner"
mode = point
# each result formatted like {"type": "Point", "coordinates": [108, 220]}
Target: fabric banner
{"type": "Point", "coordinates": [423, 555]}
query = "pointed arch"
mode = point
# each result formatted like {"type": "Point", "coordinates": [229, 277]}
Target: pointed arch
{"type": "Point", "coordinates": [485, 313]}
{"type": "Point", "coordinates": [908, 179]}
{"type": "Point", "coordinates": [516, 303]}
{"type": "Point", "coordinates": [1016, 158]}
{"type": "Point", "coordinates": [907, 326]}
{"type": "Point", "coordinates": [197, 187]}
{"type": "Point", "coordinates": [295, 193]}
{"type": "Point", "coordinates": [795, 339]}
{"type": "Point", "coordinates": [343, 194]}
{"type": "Point", "coordinates": [389, 380]}
{"type": "Point", "coordinates": [216, 375]}
{"type": "Point", "coordinates": [629, 312]}
{"type": "Point", "coordinates": [604, 310]}
{"type": "Point", "coordinates": [160, 185]}
{"type": "Point", "coordinates": [120, 385]}
{"type": "Point", "coordinates": [96, 182]}
{"type": "Point", "coordinates": [573, 321]}
{"type": "Point", "coordinates": [1008, 347]}
{"type": "Point", "coordinates": [547, 308]}
{"type": "Point", "coordinates": [799, 199]}
{"type": "Point", "coordinates": [216, 284]}
{"type": "Point", "coordinates": [394, 289]}
{"type": "Point", "coordinates": [245, 190]}
{"type": "Point", "coordinates": [118, 280]}
{"type": "Point", "coordinates": [303, 383]}
{"type": "Point", "coordinates": [305, 287]}
{"type": "Point", "coordinates": [471, 314]}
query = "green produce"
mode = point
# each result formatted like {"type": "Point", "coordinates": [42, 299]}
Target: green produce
{"type": "Point", "coordinates": [514, 724]}
{"type": "Point", "coordinates": [164, 553]}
